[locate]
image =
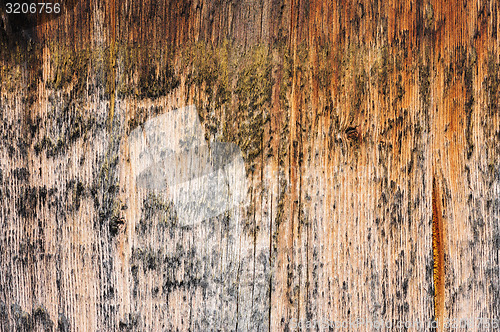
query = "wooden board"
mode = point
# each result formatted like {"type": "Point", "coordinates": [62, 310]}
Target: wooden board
{"type": "Point", "coordinates": [370, 135]}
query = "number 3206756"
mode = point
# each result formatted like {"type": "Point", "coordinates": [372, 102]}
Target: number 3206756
{"type": "Point", "coordinates": [32, 8]}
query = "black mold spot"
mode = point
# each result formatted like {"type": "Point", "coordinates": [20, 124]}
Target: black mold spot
{"type": "Point", "coordinates": [63, 323]}
{"type": "Point", "coordinates": [153, 85]}
{"type": "Point", "coordinates": [27, 202]}
{"type": "Point", "coordinates": [131, 323]}
{"type": "Point", "coordinates": [41, 316]}
{"type": "Point", "coordinates": [24, 321]}
{"type": "Point", "coordinates": [4, 316]}
{"type": "Point", "coordinates": [115, 223]}
{"type": "Point", "coordinates": [21, 174]}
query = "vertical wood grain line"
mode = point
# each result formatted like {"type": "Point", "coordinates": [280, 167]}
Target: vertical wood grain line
{"type": "Point", "coordinates": [438, 253]}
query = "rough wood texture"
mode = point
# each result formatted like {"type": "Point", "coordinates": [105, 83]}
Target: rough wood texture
{"type": "Point", "coordinates": [370, 132]}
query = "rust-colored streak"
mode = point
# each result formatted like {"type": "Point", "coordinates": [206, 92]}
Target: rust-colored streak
{"type": "Point", "coordinates": [438, 252]}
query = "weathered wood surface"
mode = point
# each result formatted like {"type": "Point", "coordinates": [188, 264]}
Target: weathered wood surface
{"type": "Point", "coordinates": [371, 138]}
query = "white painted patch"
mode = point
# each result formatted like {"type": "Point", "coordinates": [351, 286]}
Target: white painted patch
{"type": "Point", "coordinates": [169, 153]}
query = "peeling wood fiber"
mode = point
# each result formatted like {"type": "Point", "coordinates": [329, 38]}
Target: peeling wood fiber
{"type": "Point", "coordinates": [361, 125]}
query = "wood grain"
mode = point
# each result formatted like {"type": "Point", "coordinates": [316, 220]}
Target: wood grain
{"type": "Point", "coordinates": [362, 125]}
